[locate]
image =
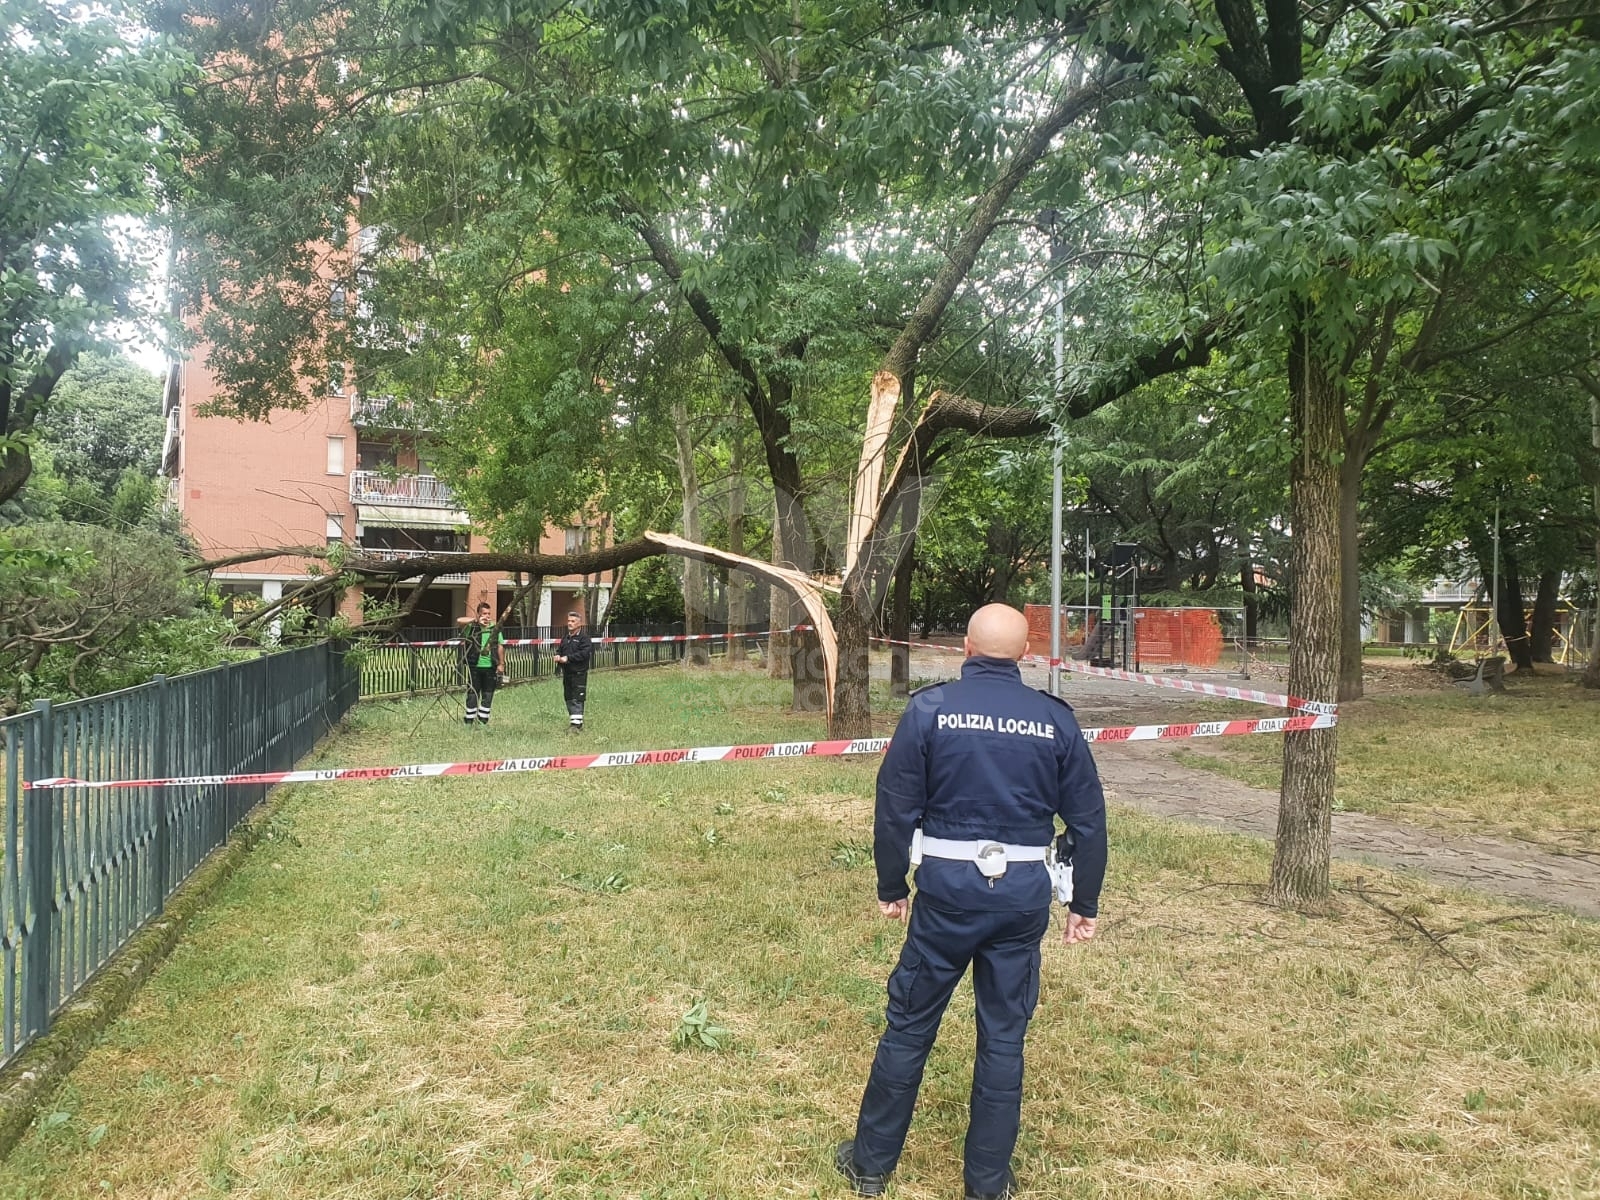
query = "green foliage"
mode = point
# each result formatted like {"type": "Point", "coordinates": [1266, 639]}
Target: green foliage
{"type": "Point", "coordinates": [104, 428]}
{"type": "Point", "coordinates": [86, 131]}
{"type": "Point", "coordinates": [84, 609]}
{"type": "Point", "coordinates": [651, 592]}
{"type": "Point", "coordinates": [696, 1031]}
{"type": "Point", "coordinates": [987, 536]}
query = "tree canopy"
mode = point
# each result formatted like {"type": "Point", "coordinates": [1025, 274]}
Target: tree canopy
{"type": "Point", "coordinates": [785, 276]}
{"type": "Point", "coordinates": [87, 143]}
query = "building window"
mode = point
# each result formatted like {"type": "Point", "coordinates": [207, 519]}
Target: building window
{"type": "Point", "coordinates": [336, 456]}
{"type": "Point", "coordinates": [415, 541]}
{"type": "Point", "coordinates": [577, 537]}
{"type": "Point", "coordinates": [336, 379]}
{"type": "Point", "coordinates": [375, 456]}
{"type": "Point", "coordinates": [335, 527]}
{"type": "Point", "coordinates": [336, 302]}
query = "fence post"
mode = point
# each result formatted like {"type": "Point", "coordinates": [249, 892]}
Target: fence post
{"type": "Point", "coordinates": [40, 833]}
{"type": "Point", "coordinates": [161, 843]}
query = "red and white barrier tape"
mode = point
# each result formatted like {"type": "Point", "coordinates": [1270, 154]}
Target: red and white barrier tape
{"type": "Point", "coordinates": [651, 758]}
{"type": "Point", "coordinates": [919, 645]}
{"type": "Point", "coordinates": [1250, 695]}
{"type": "Point", "coordinates": [1150, 733]}
{"type": "Point", "coordinates": [605, 641]}
{"type": "Point", "coordinates": [1275, 699]}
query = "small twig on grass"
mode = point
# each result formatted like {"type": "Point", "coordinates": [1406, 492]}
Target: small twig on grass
{"type": "Point", "coordinates": [1110, 923]}
{"type": "Point", "coordinates": [1433, 939]}
{"type": "Point", "coordinates": [1444, 933]}
{"type": "Point", "coordinates": [1220, 883]}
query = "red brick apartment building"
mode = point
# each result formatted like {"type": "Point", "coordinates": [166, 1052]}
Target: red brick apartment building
{"type": "Point", "coordinates": [346, 468]}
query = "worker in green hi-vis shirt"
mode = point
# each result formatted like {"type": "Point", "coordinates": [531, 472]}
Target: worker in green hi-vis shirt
{"type": "Point", "coordinates": [483, 649]}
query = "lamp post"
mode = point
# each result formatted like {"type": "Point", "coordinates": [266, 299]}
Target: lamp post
{"type": "Point", "coordinates": [1048, 218]}
{"type": "Point", "coordinates": [1498, 634]}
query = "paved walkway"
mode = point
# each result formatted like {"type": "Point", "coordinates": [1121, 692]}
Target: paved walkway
{"type": "Point", "coordinates": [1143, 775]}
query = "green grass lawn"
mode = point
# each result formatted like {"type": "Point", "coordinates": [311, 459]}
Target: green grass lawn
{"type": "Point", "coordinates": [469, 988]}
{"type": "Point", "coordinates": [1524, 764]}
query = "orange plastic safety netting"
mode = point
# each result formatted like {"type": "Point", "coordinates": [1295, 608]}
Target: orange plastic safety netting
{"type": "Point", "coordinates": [1178, 637]}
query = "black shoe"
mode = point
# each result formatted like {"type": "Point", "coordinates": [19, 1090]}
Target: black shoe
{"type": "Point", "coordinates": [1004, 1193]}
{"type": "Point", "coordinates": [862, 1183]}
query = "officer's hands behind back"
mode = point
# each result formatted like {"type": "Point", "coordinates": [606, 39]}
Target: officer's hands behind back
{"type": "Point", "coordinates": [1079, 929]}
{"type": "Point", "coordinates": [895, 910]}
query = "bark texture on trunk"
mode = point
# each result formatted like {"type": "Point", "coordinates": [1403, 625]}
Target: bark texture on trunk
{"type": "Point", "coordinates": [852, 713]}
{"type": "Point", "coordinates": [1305, 804]}
{"type": "Point", "coordinates": [15, 467]}
{"type": "Point", "coordinates": [1510, 615]}
{"type": "Point", "coordinates": [20, 408]}
{"type": "Point", "coordinates": [1252, 606]}
{"type": "Point", "coordinates": [694, 573]}
{"type": "Point", "coordinates": [1351, 684]}
{"type": "Point", "coordinates": [807, 670]}
{"type": "Point", "coordinates": [900, 603]}
{"type": "Point", "coordinates": [1542, 632]}
{"type": "Point", "coordinates": [780, 620]}
{"type": "Point", "coordinates": [805, 651]}
{"type": "Point", "coordinates": [1591, 673]}
{"type": "Point", "coordinates": [738, 585]}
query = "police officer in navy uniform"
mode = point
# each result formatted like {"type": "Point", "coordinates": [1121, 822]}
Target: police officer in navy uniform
{"type": "Point", "coordinates": [984, 766]}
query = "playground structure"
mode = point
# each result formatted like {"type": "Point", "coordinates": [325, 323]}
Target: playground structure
{"type": "Point", "coordinates": [1475, 634]}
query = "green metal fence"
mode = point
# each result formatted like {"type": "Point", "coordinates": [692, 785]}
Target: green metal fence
{"type": "Point", "coordinates": [85, 870]}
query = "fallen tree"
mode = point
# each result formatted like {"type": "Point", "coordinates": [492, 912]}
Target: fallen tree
{"type": "Point", "coordinates": [352, 569]}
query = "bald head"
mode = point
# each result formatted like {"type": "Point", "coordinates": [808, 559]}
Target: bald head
{"type": "Point", "coordinates": [997, 631]}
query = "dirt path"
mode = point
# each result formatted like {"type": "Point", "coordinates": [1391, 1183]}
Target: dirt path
{"type": "Point", "coordinates": [1144, 776]}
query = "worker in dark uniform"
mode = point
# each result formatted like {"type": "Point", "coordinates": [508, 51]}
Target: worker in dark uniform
{"type": "Point", "coordinates": [573, 653]}
{"type": "Point", "coordinates": [483, 650]}
{"type": "Point", "coordinates": [977, 772]}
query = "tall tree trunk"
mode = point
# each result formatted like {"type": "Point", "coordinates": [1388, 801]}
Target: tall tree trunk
{"type": "Point", "coordinates": [780, 618]}
{"type": "Point", "coordinates": [1511, 615]}
{"type": "Point", "coordinates": [900, 600]}
{"type": "Point", "coordinates": [694, 573]}
{"type": "Point", "coordinates": [1542, 631]}
{"type": "Point", "coordinates": [1247, 585]}
{"type": "Point", "coordinates": [1591, 673]}
{"type": "Point", "coordinates": [1351, 684]}
{"type": "Point", "coordinates": [15, 467]}
{"type": "Point", "coordinates": [738, 586]}
{"type": "Point", "coordinates": [852, 712]}
{"type": "Point", "coordinates": [1305, 803]}
{"type": "Point", "coordinates": [806, 670]}
{"type": "Point", "coordinates": [1171, 572]}
{"type": "Point", "coordinates": [20, 408]}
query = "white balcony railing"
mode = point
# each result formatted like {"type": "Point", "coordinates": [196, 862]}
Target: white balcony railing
{"type": "Point", "coordinates": [411, 491]}
{"type": "Point", "coordinates": [1450, 591]}
{"type": "Point", "coordinates": [385, 412]}
{"type": "Point", "coordinates": [384, 555]}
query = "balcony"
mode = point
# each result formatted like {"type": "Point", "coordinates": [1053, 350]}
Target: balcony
{"type": "Point", "coordinates": [384, 412]}
{"type": "Point", "coordinates": [403, 555]}
{"type": "Point", "coordinates": [1449, 591]}
{"type": "Point", "coordinates": [402, 491]}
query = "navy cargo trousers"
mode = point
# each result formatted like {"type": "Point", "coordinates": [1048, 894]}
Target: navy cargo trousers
{"type": "Point", "coordinates": [1003, 950]}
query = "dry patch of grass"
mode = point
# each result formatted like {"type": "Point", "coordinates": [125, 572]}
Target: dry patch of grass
{"type": "Point", "coordinates": [469, 987]}
{"type": "Point", "coordinates": [1525, 764]}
